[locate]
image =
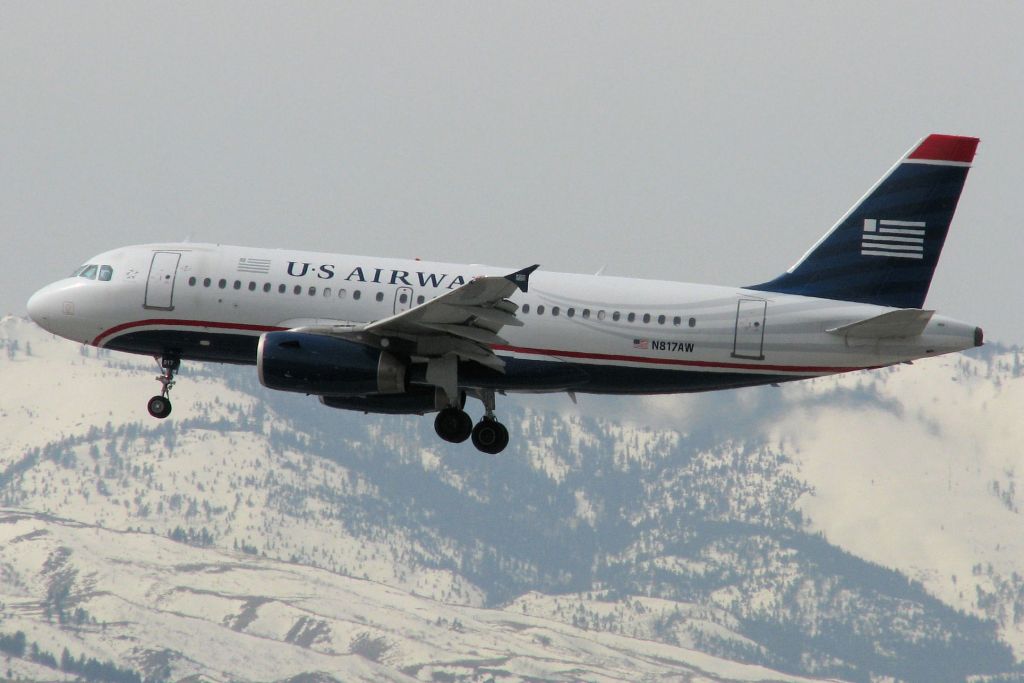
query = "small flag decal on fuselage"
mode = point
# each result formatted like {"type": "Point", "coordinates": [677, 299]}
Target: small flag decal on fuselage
{"type": "Point", "coordinates": [254, 265]}
{"type": "Point", "coordinates": [642, 344]}
{"type": "Point", "coordinates": [896, 239]}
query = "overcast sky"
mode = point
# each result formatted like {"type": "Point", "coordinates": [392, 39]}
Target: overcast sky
{"type": "Point", "coordinates": [704, 142]}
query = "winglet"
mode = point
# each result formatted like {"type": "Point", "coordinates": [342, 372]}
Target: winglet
{"type": "Point", "coordinates": [521, 278]}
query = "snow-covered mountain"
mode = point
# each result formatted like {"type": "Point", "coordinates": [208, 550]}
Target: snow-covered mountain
{"type": "Point", "coordinates": [168, 610]}
{"type": "Point", "coordinates": [852, 527]}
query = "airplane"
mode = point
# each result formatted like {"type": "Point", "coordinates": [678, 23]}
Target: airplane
{"type": "Point", "coordinates": [402, 336]}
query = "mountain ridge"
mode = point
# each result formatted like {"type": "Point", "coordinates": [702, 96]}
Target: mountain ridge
{"type": "Point", "coordinates": [720, 520]}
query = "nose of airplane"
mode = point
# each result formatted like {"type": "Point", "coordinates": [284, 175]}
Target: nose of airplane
{"type": "Point", "coordinates": [44, 307]}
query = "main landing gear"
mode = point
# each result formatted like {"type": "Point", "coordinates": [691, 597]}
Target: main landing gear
{"type": "Point", "coordinates": [160, 406]}
{"type": "Point", "coordinates": [455, 426]}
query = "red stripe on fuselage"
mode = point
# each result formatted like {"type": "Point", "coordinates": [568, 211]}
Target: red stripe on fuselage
{"type": "Point", "coordinates": [807, 369]}
{"type": "Point", "coordinates": [185, 323]}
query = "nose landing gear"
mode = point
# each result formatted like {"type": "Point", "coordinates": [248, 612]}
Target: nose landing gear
{"type": "Point", "coordinates": [160, 406]}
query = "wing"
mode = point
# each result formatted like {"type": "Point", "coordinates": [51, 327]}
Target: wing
{"type": "Point", "coordinates": [464, 322]}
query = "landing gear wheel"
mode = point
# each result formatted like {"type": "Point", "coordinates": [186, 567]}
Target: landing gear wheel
{"type": "Point", "coordinates": [490, 436]}
{"type": "Point", "coordinates": [159, 407]}
{"type": "Point", "coordinates": [453, 425]}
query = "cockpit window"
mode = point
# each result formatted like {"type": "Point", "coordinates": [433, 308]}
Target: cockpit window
{"type": "Point", "coordinates": [106, 272]}
{"type": "Point", "coordinates": [88, 271]}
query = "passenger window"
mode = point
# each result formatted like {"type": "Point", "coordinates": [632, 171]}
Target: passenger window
{"type": "Point", "coordinates": [266, 286]}
{"type": "Point", "coordinates": [222, 283]}
{"type": "Point", "coordinates": [341, 293]}
{"type": "Point", "coordinates": [206, 282]}
{"type": "Point", "coordinates": [312, 291]}
{"type": "Point", "coordinates": [281, 289]}
{"type": "Point", "coordinates": [298, 289]}
{"type": "Point", "coordinates": [661, 320]}
{"type": "Point", "coordinates": [540, 310]}
{"type": "Point", "coordinates": [677, 321]}
{"type": "Point", "coordinates": [586, 313]}
{"type": "Point", "coordinates": [600, 315]}
{"type": "Point", "coordinates": [356, 294]}
{"type": "Point", "coordinates": [631, 317]}
{"type": "Point", "coordinates": [692, 322]}
{"type": "Point", "coordinates": [647, 317]}
{"type": "Point", "coordinates": [192, 282]}
{"type": "Point", "coordinates": [88, 272]}
{"type": "Point", "coordinates": [570, 312]}
{"type": "Point", "coordinates": [420, 299]}
{"type": "Point", "coordinates": [252, 286]}
{"type": "Point", "coordinates": [238, 284]}
{"type": "Point", "coordinates": [615, 316]}
{"type": "Point", "coordinates": [526, 308]}
{"type": "Point", "coordinates": [106, 272]}
{"type": "Point", "coordinates": [380, 296]}
{"type": "Point", "coordinates": [554, 310]}
{"type": "Point", "coordinates": [327, 291]}
{"type": "Point", "coordinates": [402, 298]}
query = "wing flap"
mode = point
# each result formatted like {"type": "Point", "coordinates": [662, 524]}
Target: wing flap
{"type": "Point", "coordinates": [477, 334]}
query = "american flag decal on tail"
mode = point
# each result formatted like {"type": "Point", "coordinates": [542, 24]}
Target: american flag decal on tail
{"type": "Point", "coordinates": [254, 265]}
{"type": "Point", "coordinates": [896, 239]}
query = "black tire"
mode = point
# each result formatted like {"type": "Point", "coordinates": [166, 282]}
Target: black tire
{"type": "Point", "coordinates": [453, 425]}
{"type": "Point", "coordinates": [159, 407]}
{"type": "Point", "coordinates": [490, 436]}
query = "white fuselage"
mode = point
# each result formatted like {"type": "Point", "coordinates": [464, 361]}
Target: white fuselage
{"type": "Point", "coordinates": [212, 302]}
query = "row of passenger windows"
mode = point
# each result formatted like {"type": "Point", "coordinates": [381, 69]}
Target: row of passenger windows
{"type": "Point", "coordinates": [615, 315]}
{"type": "Point", "coordinates": [94, 272]}
{"type": "Point", "coordinates": [327, 292]}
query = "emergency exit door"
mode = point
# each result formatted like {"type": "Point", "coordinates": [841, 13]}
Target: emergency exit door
{"type": "Point", "coordinates": [403, 299]}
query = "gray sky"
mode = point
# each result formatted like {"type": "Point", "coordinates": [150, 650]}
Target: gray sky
{"type": "Point", "coordinates": [706, 142]}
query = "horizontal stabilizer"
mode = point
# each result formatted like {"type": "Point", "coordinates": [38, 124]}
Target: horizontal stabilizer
{"type": "Point", "coordinates": [907, 322]}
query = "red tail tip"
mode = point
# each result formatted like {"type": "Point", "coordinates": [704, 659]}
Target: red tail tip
{"type": "Point", "coordinates": [946, 148]}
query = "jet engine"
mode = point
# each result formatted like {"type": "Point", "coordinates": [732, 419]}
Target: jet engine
{"type": "Point", "coordinates": [326, 366]}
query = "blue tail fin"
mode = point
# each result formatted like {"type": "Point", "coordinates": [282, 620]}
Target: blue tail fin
{"type": "Point", "coordinates": [885, 249]}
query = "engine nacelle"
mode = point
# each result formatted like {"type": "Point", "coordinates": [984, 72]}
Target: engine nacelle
{"type": "Point", "coordinates": [326, 366]}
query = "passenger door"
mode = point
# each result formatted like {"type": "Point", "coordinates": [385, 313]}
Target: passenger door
{"type": "Point", "coordinates": [160, 287]}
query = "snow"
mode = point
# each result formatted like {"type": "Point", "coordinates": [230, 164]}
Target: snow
{"type": "Point", "coordinates": [920, 478]}
{"type": "Point", "coordinates": [907, 482]}
{"type": "Point", "coordinates": [240, 618]}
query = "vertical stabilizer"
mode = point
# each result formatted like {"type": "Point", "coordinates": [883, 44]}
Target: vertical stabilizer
{"type": "Point", "coordinates": [885, 249]}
